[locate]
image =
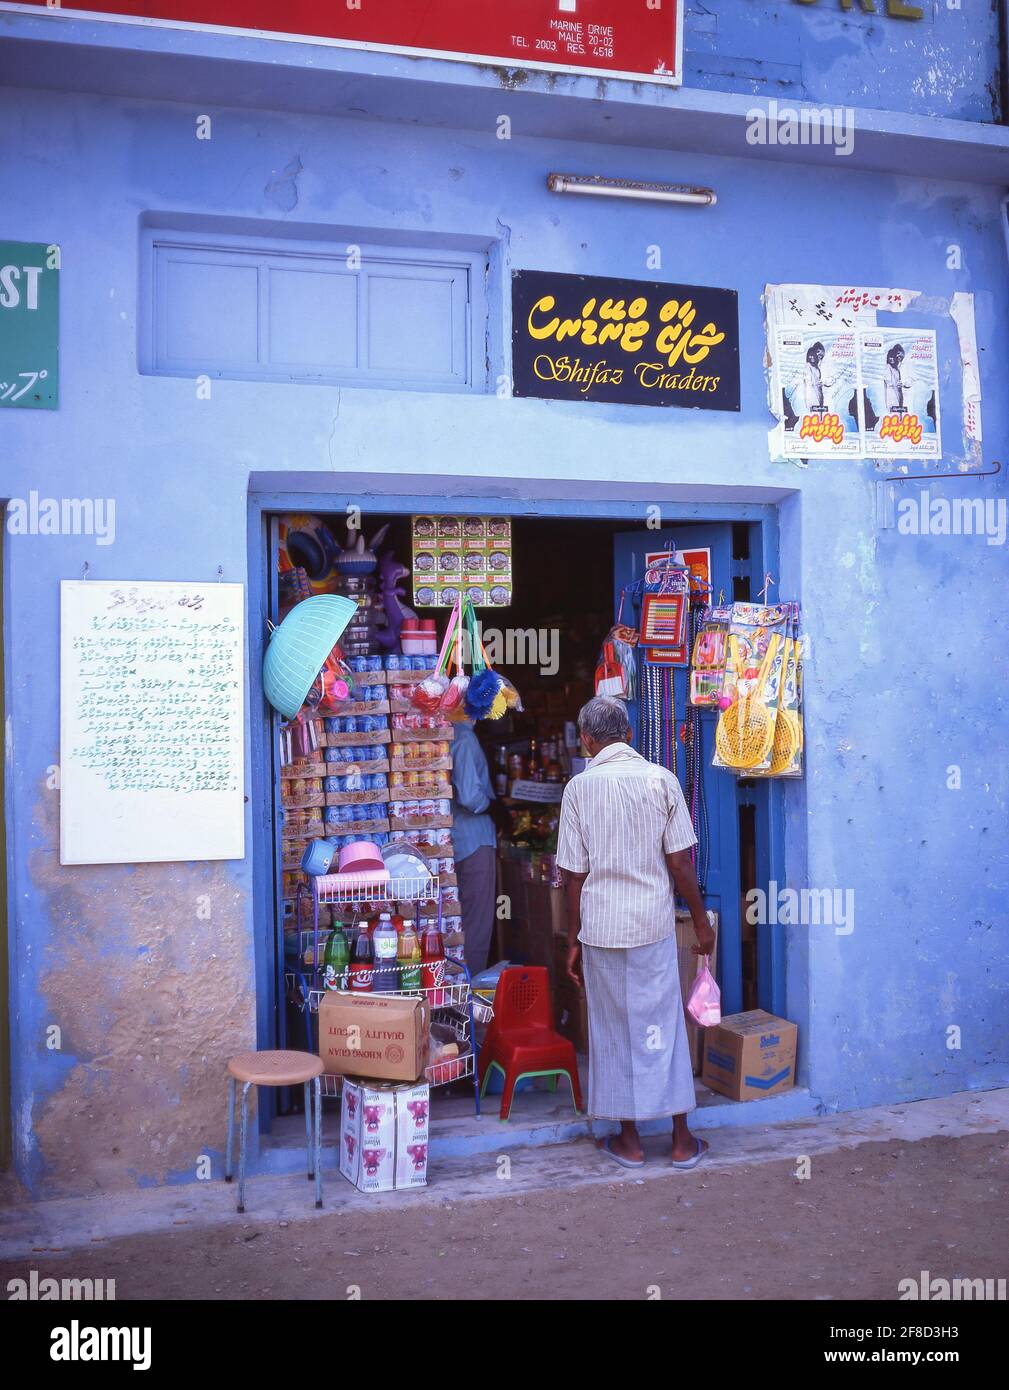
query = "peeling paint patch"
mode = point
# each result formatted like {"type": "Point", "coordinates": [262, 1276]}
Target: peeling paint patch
{"type": "Point", "coordinates": [151, 999]}
{"type": "Point", "coordinates": [283, 189]}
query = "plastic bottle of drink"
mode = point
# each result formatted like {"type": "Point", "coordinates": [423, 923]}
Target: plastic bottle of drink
{"type": "Point", "coordinates": [501, 771]}
{"type": "Point", "coordinates": [336, 960]}
{"type": "Point", "coordinates": [433, 967]}
{"type": "Point", "coordinates": [409, 958]}
{"type": "Point", "coordinates": [362, 960]}
{"type": "Point", "coordinates": [384, 943]}
{"type": "Point", "coordinates": [532, 763]}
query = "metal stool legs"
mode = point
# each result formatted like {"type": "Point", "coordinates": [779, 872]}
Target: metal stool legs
{"type": "Point", "coordinates": [229, 1152]}
{"type": "Point", "coordinates": [313, 1136]}
{"type": "Point", "coordinates": [318, 1141]}
{"type": "Point", "coordinates": [308, 1129]}
{"type": "Point", "coordinates": [242, 1145]}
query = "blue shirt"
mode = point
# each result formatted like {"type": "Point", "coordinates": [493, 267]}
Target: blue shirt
{"type": "Point", "coordinates": [474, 792]}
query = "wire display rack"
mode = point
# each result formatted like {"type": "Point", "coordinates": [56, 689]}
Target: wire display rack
{"type": "Point", "coordinates": [450, 996]}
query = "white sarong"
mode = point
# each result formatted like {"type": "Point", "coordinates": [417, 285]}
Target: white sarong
{"type": "Point", "coordinates": [639, 1059]}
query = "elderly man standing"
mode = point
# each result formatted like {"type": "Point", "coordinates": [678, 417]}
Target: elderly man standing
{"type": "Point", "coordinates": [624, 840]}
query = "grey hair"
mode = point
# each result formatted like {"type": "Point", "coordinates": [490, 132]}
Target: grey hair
{"type": "Point", "coordinates": [604, 719]}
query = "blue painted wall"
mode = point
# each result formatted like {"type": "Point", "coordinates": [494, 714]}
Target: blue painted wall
{"type": "Point", "coordinates": [944, 64]}
{"type": "Point", "coordinates": [907, 674]}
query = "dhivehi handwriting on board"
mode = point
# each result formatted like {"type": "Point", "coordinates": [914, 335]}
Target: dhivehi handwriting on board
{"type": "Point", "coordinates": [152, 717]}
{"type": "Point", "coordinates": [158, 685]}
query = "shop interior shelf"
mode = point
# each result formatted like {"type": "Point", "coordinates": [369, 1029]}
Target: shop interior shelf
{"type": "Point", "coordinates": [453, 994]}
{"type": "Point", "coordinates": [451, 1001]}
{"type": "Point", "coordinates": [346, 890]}
{"type": "Point", "coordinates": [451, 1069]}
{"type": "Point", "coordinates": [483, 1010]}
{"type": "Point", "coordinates": [438, 1074]}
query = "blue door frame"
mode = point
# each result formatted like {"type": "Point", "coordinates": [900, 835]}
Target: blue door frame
{"type": "Point", "coordinates": [721, 883]}
{"type": "Point", "coordinates": [389, 493]}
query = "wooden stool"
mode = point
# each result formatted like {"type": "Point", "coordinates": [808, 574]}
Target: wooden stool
{"type": "Point", "coordinates": [275, 1069]}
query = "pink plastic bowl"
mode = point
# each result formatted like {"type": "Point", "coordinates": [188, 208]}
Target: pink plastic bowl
{"type": "Point", "coordinates": [363, 856]}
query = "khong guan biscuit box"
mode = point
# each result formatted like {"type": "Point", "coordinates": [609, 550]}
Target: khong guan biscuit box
{"type": "Point", "coordinates": [749, 1056]}
{"type": "Point", "coordinates": [376, 1035]}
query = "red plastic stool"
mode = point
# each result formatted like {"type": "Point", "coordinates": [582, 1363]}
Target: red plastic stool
{"type": "Point", "coordinates": [521, 1041]}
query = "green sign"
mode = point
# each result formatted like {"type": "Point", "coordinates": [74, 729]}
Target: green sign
{"type": "Point", "coordinates": [29, 325]}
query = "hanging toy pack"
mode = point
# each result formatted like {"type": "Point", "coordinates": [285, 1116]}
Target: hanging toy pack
{"type": "Point", "coordinates": [708, 657]}
{"type": "Point", "coordinates": [755, 650]}
{"type": "Point", "coordinates": [616, 670]}
{"type": "Point", "coordinates": [786, 750]}
{"type": "Point", "coordinates": [665, 602]}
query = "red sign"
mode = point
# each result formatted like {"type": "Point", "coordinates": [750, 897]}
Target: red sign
{"type": "Point", "coordinates": [618, 38]}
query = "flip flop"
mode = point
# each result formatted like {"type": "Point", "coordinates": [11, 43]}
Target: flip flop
{"type": "Point", "coordinates": [618, 1158]}
{"type": "Point", "coordinates": [685, 1163]}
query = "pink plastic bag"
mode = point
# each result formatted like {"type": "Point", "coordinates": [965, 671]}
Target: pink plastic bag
{"type": "Point", "coordinates": [705, 1002]}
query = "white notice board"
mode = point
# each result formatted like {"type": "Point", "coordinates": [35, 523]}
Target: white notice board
{"type": "Point", "coordinates": [152, 683]}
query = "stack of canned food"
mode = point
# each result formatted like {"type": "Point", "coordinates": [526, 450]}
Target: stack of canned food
{"type": "Point", "coordinates": [414, 722]}
{"type": "Point", "coordinates": [356, 782]}
{"type": "Point", "coordinates": [354, 813]}
{"type": "Point", "coordinates": [426, 809]}
{"type": "Point", "coordinates": [396, 662]}
{"type": "Point", "coordinates": [362, 753]}
{"type": "Point", "coordinates": [361, 665]}
{"type": "Point", "coordinates": [406, 781]}
{"type": "Point", "coordinates": [433, 750]}
{"type": "Point", "coordinates": [357, 724]}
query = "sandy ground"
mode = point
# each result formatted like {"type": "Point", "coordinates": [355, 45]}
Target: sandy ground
{"type": "Point", "coordinates": [866, 1218]}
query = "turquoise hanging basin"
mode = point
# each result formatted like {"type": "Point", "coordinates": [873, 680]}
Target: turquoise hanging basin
{"type": "Point", "coordinates": [299, 647]}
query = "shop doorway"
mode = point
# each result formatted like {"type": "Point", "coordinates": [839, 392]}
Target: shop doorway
{"type": "Point", "coordinates": [711, 794]}
{"type": "Point", "coordinates": [573, 561]}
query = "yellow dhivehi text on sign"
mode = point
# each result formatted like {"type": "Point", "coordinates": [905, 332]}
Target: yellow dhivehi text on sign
{"type": "Point", "coordinates": [896, 9]}
{"type": "Point", "coordinates": [676, 338]}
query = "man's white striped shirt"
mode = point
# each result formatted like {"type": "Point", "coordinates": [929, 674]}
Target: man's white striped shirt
{"type": "Point", "coordinates": [619, 818]}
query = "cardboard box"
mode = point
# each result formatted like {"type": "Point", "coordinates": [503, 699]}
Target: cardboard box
{"type": "Point", "coordinates": [373, 1035]}
{"type": "Point", "coordinates": [384, 1134]}
{"type": "Point", "coordinates": [750, 1056]}
{"type": "Point", "coordinates": [686, 960]}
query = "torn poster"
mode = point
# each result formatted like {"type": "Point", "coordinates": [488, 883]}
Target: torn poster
{"type": "Point", "coordinates": [819, 309]}
{"type": "Point", "coordinates": [962, 313]}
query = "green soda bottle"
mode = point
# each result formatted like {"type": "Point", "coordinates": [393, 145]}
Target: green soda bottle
{"type": "Point", "coordinates": [409, 957]}
{"type": "Point", "coordinates": [336, 960]}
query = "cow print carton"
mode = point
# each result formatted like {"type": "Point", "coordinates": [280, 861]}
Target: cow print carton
{"type": "Point", "coordinates": [384, 1132]}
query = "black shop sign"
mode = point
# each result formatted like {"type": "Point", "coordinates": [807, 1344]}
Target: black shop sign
{"type": "Point", "coordinates": [634, 342]}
